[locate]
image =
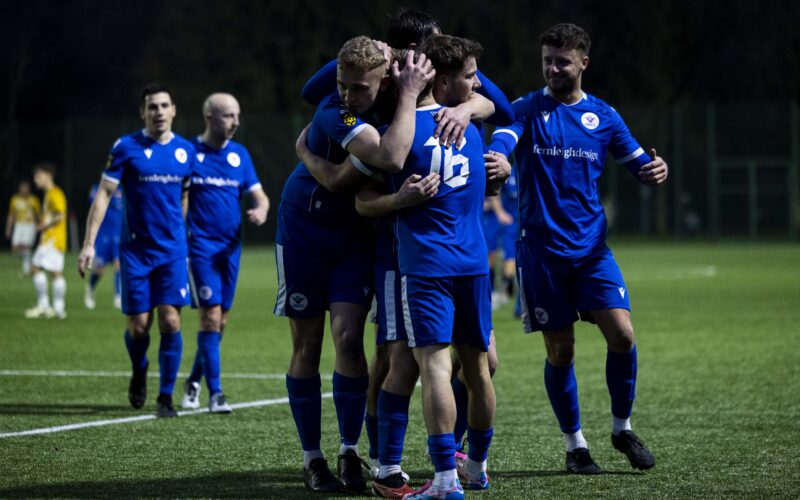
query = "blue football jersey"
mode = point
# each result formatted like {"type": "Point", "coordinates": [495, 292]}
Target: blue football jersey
{"type": "Point", "coordinates": [560, 152]}
{"type": "Point", "coordinates": [219, 180]}
{"type": "Point", "coordinates": [152, 177]}
{"type": "Point", "coordinates": [331, 131]}
{"type": "Point", "coordinates": [112, 223]}
{"type": "Point", "coordinates": [443, 236]}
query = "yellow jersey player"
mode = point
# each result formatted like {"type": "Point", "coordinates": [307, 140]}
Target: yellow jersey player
{"type": "Point", "coordinates": [49, 254]}
{"type": "Point", "coordinates": [21, 224]}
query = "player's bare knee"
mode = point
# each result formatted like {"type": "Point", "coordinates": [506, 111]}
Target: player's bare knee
{"type": "Point", "coordinates": [493, 363]}
{"type": "Point", "coordinates": [560, 354]}
{"type": "Point", "coordinates": [211, 319]}
{"type": "Point", "coordinates": [169, 324]}
{"type": "Point", "coordinates": [621, 340]}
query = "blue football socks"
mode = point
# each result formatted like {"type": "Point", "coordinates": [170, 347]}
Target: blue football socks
{"type": "Point", "coordinates": [441, 448]}
{"type": "Point", "coordinates": [305, 400]}
{"type": "Point", "coordinates": [461, 395]}
{"type": "Point", "coordinates": [562, 389]}
{"type": "Point", "coordinates": [371, 424]}
{"type": "Point", "coordinates": [169, 360]}
{"type": "Point", "coordinates": [208, 345]}
{"type": "Point", "coordinates": [392, 425]}
{"type": "Point", "coordinates": [479, 442]}
{"type": "Point", "coordinates": [350, 399]}
{"type": "Point", "coordinates": [621, 381]}
{"type": "Point", "coordinates": [137, 350]}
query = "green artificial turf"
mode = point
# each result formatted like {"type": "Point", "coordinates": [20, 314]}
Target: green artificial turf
{"type": "Point", "coordinates": [718, 337]}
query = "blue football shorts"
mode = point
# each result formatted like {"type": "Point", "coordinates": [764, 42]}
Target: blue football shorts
{"type": "Point", "coordinates": [106, 250]}
{"type": "Point", "coordinates": [320, 263]}
{"type": "Point", "coordinates": [554, 291]}
{"type": "Point", "coordinates": [146, 285]}
{"type": "Point", "coordinates": [451, 310]}
{"type": "Point", "coordinates": [213, 277]}
{"type": "Point", "coordinates": [389, 306]}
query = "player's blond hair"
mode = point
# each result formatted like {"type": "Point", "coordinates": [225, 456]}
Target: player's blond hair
{"type": "Point", "coordinates": [360, 54]}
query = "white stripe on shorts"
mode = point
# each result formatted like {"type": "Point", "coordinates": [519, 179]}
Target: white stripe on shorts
{"type": "Point", "coordinates": [389, 305]}
{"type": "Point", "coordinates": [192, 286]}
{"type": "Point", "coordinates": [280, 304]}
{"type": "Point", "coordinates": [407, 314]}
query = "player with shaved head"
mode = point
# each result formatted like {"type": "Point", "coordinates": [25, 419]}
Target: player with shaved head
{"type": "Point", "coordinates": [223, 174]}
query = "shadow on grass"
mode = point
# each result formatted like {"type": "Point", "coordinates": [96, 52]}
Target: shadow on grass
{"type": "Point", "coordinates": [278, 484]}
{"type": "Point", "coordinates": [551, 473]}
{"type": "Point", "coordinates": [60, 409]}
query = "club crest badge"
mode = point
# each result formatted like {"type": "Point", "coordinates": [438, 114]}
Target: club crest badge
{"type": "Point", "coordinates": [181, 155]}
{"type": "Point", "coordinates": [590, 121]}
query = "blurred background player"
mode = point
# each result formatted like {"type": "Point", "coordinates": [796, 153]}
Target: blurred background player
{"type": "Point", "coordinates": [49, 254]}
{"type": "Point", "coordinates": [152, 166]}
{"type": "Point", "coordinates": [21, 224]}
{"type": "Point", "coordinates": [223, 174]}
{"type": "Point", "coordinates": [106, 248]}
{"type": "Point", "coordinates": [501, 231]}
{"type": "Point", "coordinates": [561, 138]}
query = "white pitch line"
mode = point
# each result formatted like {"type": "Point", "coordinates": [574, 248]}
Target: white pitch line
{"type": "Point", "coordinates": [85, 373]}
{"type": "Point", "coordinates": [140, 418]}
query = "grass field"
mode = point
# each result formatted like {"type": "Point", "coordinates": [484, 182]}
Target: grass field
{"type": "Point", "coordinates": [718, 330]}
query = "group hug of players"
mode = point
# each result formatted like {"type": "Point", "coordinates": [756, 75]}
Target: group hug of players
{"type": "Point", "coordinates": [385, 208]}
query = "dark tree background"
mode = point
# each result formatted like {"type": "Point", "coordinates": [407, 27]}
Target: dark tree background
{"type": "Point", "coordinates": [72, 70]}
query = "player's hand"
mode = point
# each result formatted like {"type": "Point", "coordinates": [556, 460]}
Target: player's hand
{"type": "Point", "coordinates": [655, 172]}
{"type": "Point", "coordinates": [384, 47]}
{"type": "Point", "coordinates": [415, 75]}
{"type": "Point", "coordinates": [417, 189]}
{"type": "Point", "coordinates": [301, 145]}
{"type": "Point", "coordinates": [85, 260]}
{"type": "Point", "coordinates": [497, 167]}
{"type": "Point", "coordinates": [257, 215]}
{"type": "Point", "coordinates": [451, 123]}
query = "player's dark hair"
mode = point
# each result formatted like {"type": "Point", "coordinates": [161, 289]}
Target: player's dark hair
{"type": "Point", "coordinates": [154, 88]}
{"type": "Point", "coordinates": [448, 54]}
{"type": "Point", "coordinates": [567, 36]}
{"type": "Point", "coordinates": [45, 166]}
{"type": "Point", "coordinates": [410, 26]}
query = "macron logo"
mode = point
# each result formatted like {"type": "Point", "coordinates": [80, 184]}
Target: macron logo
{"type": "Point", "coordinates": [621, 292]}
{"type": "Point", "coordinates": [148, 153]}
{"type": "Point", "coordinates": [546, 115]}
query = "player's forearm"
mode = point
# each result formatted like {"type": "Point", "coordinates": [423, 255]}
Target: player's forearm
{"type": "Point", "coordinates": [396, 142]}
{"type": "Point", "coordinates": [480, 108]}
{"type": "Point", "coordinates": [97, 213]}
{"type": "Point", "coordinates": [330, 175]}
{"type": "Point", "coordinates": [260, 199]}
{"type": "Point", "coordinates": [371, 203]}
